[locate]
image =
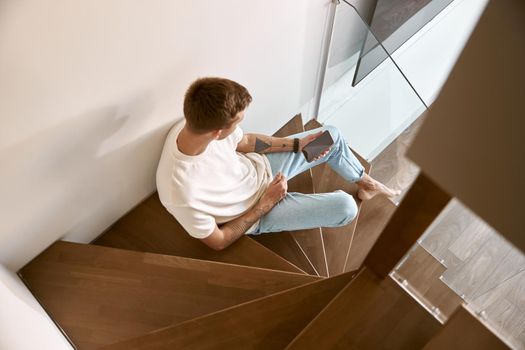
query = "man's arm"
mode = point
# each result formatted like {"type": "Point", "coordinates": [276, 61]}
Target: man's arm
{"type": "Point", "coordinates": [264, 144]}
{"type": "Point", "coordinates": [267, 144]}
{"type": "Point", "coordinates": [229, 232]}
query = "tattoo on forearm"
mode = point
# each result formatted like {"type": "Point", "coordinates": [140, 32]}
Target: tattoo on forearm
{"type": "Point", "coordinates": [260, 145]}
{"type": "Point", "coordinates": [240, 225]}
{"type": "Point", "coordinates": [268, 144]}
{"type": "Point", "coordinates": [237, 228]}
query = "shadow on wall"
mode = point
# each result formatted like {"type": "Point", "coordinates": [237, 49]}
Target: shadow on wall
{"type": "Point", "coordinates": [75, 179]}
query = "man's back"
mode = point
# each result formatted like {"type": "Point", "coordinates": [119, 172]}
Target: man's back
{"type": "Point", "coordinates": [215, 186]}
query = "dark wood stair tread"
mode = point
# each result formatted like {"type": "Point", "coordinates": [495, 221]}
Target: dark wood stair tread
{"type": "Point", "coordinates": [368, 314]}
{"type": "Point", "coordinates": [284, 244]}
{"type": "Point", "coordinates": [267, 323]}
{"type": "Point", "coordinates": [149, 227]}
{"type": "Point", "coordinates": [373, 217]}
{"type": "Point", "coordinates": [463, 331]}
{"type": "Point", "coordinates": [102, 295]}
{"type": "Point", "coordinates": [421, 273]}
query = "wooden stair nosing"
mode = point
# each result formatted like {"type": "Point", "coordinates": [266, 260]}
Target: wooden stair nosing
{"type": "Point", "coordinates": [374, 215]}
{"type": "Point", "coordinates": [422, 273]}
{"type": "Point", "coordinates": [290, 245]}
{"type": "Point", "coordinates": [126, 272]}
{"type": "Point", "coordinates": [359, 206]}
{"type": "Point", "coordinates": [309, 241]}
{"type": "Point", "coordinates": [150, 228]}
{"type": "Point", "coordinates": [418, 209]}
{"type": "Point", "coordinates": [366, 314]}
{"type": "Point", "coordinates": [148, 256]}
{"type": "Point", "coordinates": [300, 247]}
{"type": "Point", "coordinates": [337, 240]}
{"type": "Point", "coordinates": [277, 256]}
{"type": "Point", "coordinates": [287, 247]}
{"type": "Point", "coordinates": [256, 324]}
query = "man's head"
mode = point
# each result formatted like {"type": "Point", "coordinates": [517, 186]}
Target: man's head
{"type": "Point", "coordinates": [213, 104]}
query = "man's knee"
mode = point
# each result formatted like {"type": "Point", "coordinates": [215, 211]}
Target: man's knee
{"type": "Point", "coordinates": [346, 207]}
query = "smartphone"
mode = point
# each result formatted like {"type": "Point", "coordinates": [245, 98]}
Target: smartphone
{"type": "Point", "coordinates": [318, 146]}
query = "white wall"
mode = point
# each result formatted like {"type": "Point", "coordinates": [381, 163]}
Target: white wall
{"type": "Point", "coordinates": [90, 88]}
{"type": "Point", "coordinates": [23, 323]}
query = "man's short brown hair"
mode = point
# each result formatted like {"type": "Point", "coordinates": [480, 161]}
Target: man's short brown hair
{"type": "Point", "coordinates": [213, 103]}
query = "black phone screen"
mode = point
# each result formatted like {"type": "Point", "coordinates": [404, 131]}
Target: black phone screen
{"type": "Point", "coordinates": [317, 146]}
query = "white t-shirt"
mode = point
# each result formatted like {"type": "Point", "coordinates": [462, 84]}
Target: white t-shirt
{"type": "Point", "coordinates": [215, 186]}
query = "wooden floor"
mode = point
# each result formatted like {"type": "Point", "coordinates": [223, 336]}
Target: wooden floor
{"type": "Point", "coordinates": [483, 268]}
{"type": "Point", "coordinates": [420, 276]}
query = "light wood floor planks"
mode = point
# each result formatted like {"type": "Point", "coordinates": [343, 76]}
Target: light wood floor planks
{"type": "Point", "coordinates": [420, 275]}
{"type": "Point", "coordinates": [483, 268]}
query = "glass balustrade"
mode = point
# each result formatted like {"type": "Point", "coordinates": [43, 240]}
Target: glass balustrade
{"type": "Point", "coordinates": [374, 112]}
{"type": "Point", "coordinates": [394, 32]}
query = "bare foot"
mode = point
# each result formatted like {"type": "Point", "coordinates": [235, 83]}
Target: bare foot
{"type": "Point", "coordinates": [369, 188]}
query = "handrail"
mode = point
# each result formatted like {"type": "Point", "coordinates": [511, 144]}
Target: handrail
{"type": "Point", "coordinates": [325, 53]}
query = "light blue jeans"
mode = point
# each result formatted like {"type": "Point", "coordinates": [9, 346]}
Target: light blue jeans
{"type": "Point", "coordinates": [302, 211]}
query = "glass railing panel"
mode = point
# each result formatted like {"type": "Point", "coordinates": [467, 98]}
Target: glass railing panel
{"type": "Point", "coordinates": [393, 35]}
{"type": "Point", "coordinates": [373, 113]}
{"type": "Point", "coordinates": [419, 274]}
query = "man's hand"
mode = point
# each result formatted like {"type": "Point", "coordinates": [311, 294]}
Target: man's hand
{"type": "Point", "coordinates": [229, 232]}
{"type": "Point", "coordinates": [275, 192]}
{"type": "Point", "coordinates": [309, 138]}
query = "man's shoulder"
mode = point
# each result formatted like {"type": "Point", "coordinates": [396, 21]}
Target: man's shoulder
{"type": "Point", "coordinates": [176, 193]}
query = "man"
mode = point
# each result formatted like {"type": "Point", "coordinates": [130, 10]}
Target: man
{"type": "Point", "coordinates": [220, 184]}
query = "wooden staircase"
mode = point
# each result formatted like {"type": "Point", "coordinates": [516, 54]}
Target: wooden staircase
{"type": "Point", "coordinates": [146, 284]}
